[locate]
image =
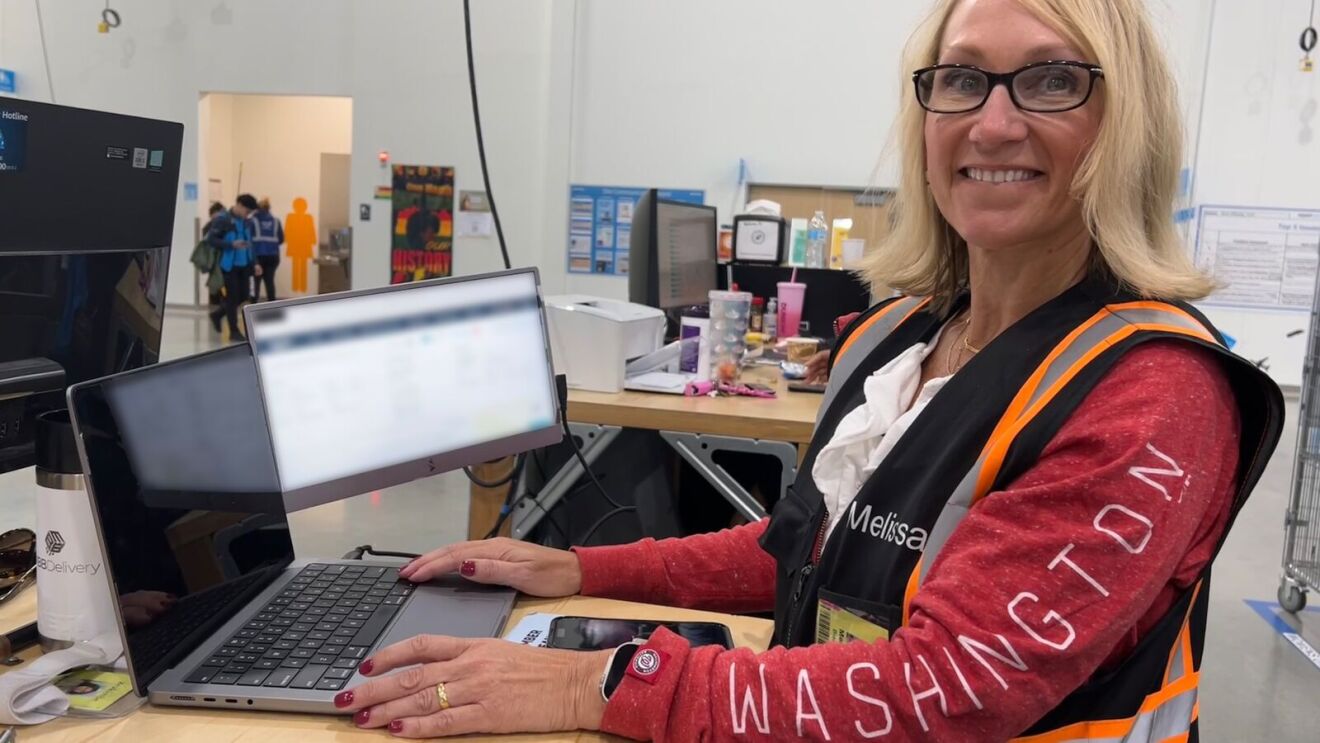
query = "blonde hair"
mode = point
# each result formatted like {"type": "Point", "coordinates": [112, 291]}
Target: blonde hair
{"type": "Point", "coordinates": [1127, 183]}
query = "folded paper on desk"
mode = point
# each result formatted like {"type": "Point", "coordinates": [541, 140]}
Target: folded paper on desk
{"type": "Point", "coordinates": [534, 630]}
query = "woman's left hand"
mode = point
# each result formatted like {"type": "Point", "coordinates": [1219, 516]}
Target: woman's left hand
{"type": "Point", "coordinates": [493, 686]}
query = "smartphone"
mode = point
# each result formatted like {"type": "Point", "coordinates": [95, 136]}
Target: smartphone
{"type": "Point", "coordinates": [588, 633]}
{"type": "Point", "coordinates": [806, 387]}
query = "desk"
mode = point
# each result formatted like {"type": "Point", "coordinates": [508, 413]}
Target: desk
{"type": "Point", "coordinates": [197, 725]}
{"type": "Point", "coordinates": [696, 427]}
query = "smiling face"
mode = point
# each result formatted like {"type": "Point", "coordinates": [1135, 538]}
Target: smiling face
{"type": "Point", "coordinates": [1000, 175]}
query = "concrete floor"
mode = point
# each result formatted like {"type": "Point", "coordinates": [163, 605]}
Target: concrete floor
{"type": "Point", "coordinates": [1256, 686]}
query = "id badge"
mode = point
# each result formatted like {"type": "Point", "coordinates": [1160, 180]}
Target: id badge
{"type": "Point", "coordinates": [835, 623]}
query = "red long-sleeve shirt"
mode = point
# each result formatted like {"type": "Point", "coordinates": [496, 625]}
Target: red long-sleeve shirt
{"type": "Point", "coordinates": [1042, 584]}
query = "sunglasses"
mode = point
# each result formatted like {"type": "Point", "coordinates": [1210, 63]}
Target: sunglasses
{"type": "Point", "coordinates": [18, 561]}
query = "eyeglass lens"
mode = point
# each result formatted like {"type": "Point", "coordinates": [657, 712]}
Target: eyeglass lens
{"type": "Point", "coordinates": [1045, 88]}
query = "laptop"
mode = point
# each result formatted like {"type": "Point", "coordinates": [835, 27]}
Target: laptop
{"type": "Point", "coordinates": [192, 476]}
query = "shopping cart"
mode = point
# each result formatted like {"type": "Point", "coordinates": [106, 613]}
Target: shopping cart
{"type": "Point", "coordinates": [1301, 523]}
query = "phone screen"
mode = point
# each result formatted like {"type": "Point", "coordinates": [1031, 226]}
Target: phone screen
{"type": "Point", "coordinates": [582, 633]}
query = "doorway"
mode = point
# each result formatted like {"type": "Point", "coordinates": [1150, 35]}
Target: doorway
{"type": "Point", "coordinates": [282, 148]}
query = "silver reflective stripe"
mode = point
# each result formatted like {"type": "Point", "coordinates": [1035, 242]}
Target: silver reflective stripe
{"type": "Point", "coordinates": [862, 346]}
{"type": "Point", "coordinates": [1178, 662]}
{"type": "Point", "coordinates": [1092, 338]}
{"type": "Point", "coordinates": [1174, 717]}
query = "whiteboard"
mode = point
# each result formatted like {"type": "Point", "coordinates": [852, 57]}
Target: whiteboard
{"type": "Point", "coordinates": [1263, 257]}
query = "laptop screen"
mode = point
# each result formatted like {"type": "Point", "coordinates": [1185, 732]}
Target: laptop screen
{"type": "Point", "coordinates": [183, 481]}
{"type": "Point", "coordinates": [403, 382]}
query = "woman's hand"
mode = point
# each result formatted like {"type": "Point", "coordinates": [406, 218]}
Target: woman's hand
{"type": "Point", "coordinates": [818, 368]}
{"type": "Point", "coordinates": [530, 568]}
{"type": "Point", "coordinates": [492, 686]}
{"type": "Point", "coordinates": [141, 608]}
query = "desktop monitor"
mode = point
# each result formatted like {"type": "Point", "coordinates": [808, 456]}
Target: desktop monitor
{"type": "Point", "coordinates": [672, 255]}
{"type": "Point", "coordinates": [86, 223]}
{"type": "Point", "coordinates": [373, 388]}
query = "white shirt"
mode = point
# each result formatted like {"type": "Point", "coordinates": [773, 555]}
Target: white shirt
{"type": "Point", "coordinates": [866, 435]}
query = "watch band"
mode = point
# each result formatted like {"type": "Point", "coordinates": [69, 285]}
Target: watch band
{"type": "Point", "coordinates": [617, 667]}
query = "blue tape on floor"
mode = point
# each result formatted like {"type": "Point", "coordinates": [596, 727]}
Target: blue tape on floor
{"type": "Point", "coordinates": [1266, 610]}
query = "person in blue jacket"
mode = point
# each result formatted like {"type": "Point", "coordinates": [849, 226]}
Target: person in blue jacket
{"type": "Point", "coordinates": [267, 237]}
{"type": "Point", "coordinates": [229, 234]}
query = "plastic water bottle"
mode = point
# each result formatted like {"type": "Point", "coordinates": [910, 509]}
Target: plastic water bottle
{"type": "Point", "coordinates": [770, 324]}
{"type": "Point", "coordinates": [818, 234]}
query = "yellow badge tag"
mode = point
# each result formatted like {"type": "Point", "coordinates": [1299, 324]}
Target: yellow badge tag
{"type": "Point", "coordinates": [837, 624]}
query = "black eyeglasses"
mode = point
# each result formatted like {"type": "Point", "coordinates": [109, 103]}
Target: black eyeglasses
{"type": "Point", "coordinates": [1042, 87]}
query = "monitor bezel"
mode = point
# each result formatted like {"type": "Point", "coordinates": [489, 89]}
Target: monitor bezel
{"type": "Point", "coordinates": [397, 474]}
{"type": "Point", "coordinates": [654, 280]}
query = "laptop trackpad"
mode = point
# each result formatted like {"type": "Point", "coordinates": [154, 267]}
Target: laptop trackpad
{"type": "Point", "coordinates": [454, 607]}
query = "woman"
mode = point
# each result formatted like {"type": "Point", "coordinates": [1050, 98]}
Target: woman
{"type": "Point", "coordinates": [1004, 524]}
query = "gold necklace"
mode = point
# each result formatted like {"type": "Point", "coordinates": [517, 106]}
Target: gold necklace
{"type": "Point", "coordinates": [948, 357]}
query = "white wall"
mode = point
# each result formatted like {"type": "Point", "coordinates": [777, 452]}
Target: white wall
{"type": "Point", "coordinates": [402, 61]}
{"type": "Point", "coordinates": [1259, 148]}
{"type": "Point", "coordinates": [278, 140]}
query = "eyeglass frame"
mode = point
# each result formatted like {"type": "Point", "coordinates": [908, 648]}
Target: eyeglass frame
{"type": "Point", "coordinates": [995, 79]}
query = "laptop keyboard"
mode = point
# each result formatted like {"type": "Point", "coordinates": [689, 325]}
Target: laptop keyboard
{"type": "Point", "coordinates": [313, 634]}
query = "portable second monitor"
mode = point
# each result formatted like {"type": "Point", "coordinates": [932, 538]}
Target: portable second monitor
{"type": "Point", "coordinates": [381, 387]}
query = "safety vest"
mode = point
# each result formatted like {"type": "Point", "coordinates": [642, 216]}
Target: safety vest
{"type": "Point", "coordinates": [986, 427]}
{"type": "Point", "coordinates": [267, 233]}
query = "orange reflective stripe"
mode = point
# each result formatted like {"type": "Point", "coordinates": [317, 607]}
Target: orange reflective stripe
{"type": "Point", "coordinates": [873, 319]}
{"type": "Point", "coordinates": [1028, 390]}
{"type": "Point", "coordinates": [914, 582]}
{"type": "Point", "coordinates": [1116, 728]}
{"type": "Point", "coordinates": [998, 447]}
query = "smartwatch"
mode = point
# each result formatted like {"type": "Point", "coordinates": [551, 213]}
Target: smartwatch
{"type": "Point", "coordinates": [617, 667]}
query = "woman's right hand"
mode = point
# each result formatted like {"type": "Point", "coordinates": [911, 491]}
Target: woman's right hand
{"type": "Point", "coordinates": [531, 568]}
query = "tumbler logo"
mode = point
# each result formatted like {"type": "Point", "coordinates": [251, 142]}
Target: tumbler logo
{"type": "Point", "coordinates": [54, 542]}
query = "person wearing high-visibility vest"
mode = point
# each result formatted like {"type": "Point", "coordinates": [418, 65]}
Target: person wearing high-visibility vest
{"type": "Point", "coordinates": [1023, 467]}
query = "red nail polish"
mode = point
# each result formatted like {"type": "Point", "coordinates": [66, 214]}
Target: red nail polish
{"type": "Point", "coordinates": [362, 717]}
{"type": "Point", "coordinates": [344, 699]}
{"type": "Point", "coordinates": [396, 726]}
{"type": "Point", "coordinates": [468, 568]}
{"type": "Point", "coordinates": [365, 668]}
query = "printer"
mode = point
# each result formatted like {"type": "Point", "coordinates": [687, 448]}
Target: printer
{"type": "Point", "coordinates": [593, 338]}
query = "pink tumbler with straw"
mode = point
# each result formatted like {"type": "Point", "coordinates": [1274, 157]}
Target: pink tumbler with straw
{"type": "Point", "coordinates": [792, 295]}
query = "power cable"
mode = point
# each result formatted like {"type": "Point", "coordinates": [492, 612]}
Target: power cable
{"type": "Point", "coordinates": [45, 56]}
{"type": "Point", "coordinates": [481, 142]}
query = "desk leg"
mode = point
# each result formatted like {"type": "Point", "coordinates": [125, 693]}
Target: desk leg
{"type": "Point", "coordinates": [699, 450]}
{"type": "Point", "coordinates": [484, 503]}
{"type": "Point", "coordinates": [594, 440]}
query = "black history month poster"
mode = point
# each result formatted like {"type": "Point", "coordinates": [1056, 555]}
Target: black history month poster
{"type": "Point", "coordinates": [423, 243]}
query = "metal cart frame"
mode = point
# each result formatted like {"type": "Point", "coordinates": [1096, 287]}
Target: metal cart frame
{"type": "Point", "coordinates": [1301, 522]}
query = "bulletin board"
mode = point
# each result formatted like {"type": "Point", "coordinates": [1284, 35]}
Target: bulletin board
{"type": "Point", "coordinates": [600, 225]}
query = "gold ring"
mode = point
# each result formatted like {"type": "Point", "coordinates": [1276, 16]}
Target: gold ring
{"type": "Point", "coordinates": [443, 695]}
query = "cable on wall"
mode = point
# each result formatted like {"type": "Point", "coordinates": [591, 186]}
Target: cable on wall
{"type": "Point", "coordinates": [481, 142]}
{"type": "Point", "coordinates": [45, 56]}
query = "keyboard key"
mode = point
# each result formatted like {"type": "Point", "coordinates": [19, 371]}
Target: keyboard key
{"type": "Point", "coordinates": [354, 623]}
{"type": "Point", "coordinates": [216, 662]}
{"type": "Point", "coordinates": [267, 664]}
{"type": "Point", "coordinates": [339, 640]}
{"type": "Point", "coordinates": [290, 614]}
{"type": "Point", "coordinates": [356, 652]}
{"type": "Point", "coordinates": [345, 663]}
{"type": "Point", "coordinates": [246, 658]}
{"type": "Point", "coordinates": [253, 678]}
{"type": "Point", "coordinates": [285, 645]}
{"type": "Point", "coordinates": [237, 668]}
{"type": "Point", "coordinates": [248, 633]}
{"type": "Point", "coordinates": [294, 636]}
{"type": "Point", "coordinates": [375, 626]}
{"type": "Point", "coordinates": [255, 625]}
{"type": "Point", "coordinates": [327, 626]}
{"type": "Point", "coordinates": [300, 606]}
{"type": "Point", "coordinates": [325, 658]}
{"type": "Point", "coordinates": [338, 673]}
{"type": "Point", "coordinates": [303, 627]}
{"type": "Point", "coordinates": [345, 632]}
{"type": "Point", "coordinates": [283, 624]}
{"type": "Point", "coordinates": [293, 663]}
{"type": "Point", "coordinates": [373, 572]}
{"type": "Point", "coordinates": [226, 652]}
{"type": "Point", "coordinates": [318, 635]}
{"type": "Point", "coordinates": [303, 653]}
{"type": "Point", "coordinates": [236, 642]}
{"type": "Point", "coordinates": [269, 638]}
{"type": "Point", "coordinates": [315, 611]}
{"type": "Point", "coordinates": [339, 612]}
{"type": "Point", "coordinates": [394, 601]}
{"type": "Point", "coordinates": [202, 675]}
{"type": "Point", "coordinates": [331, 684]}
{"type": "Point", "coordinates": [276, 654]}
{"type": "Point", "coordinates": [281, 678]}
{"type": "Point", "coordinates": [266, 616]}
{"type": "Point", "coordinates": [334, 569]}
{"type": "Point", "coordinates": [307, 677]}
{"type": "Point", "coordinates": [309, 645]}
{"type": "Point", "coordinates": [362, 615]}
{"type": "Point", "coordinates": [225, 678]}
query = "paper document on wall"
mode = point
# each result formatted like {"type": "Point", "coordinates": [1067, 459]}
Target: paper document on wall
{"type": "Point", "coordinates": [1263, 257]}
